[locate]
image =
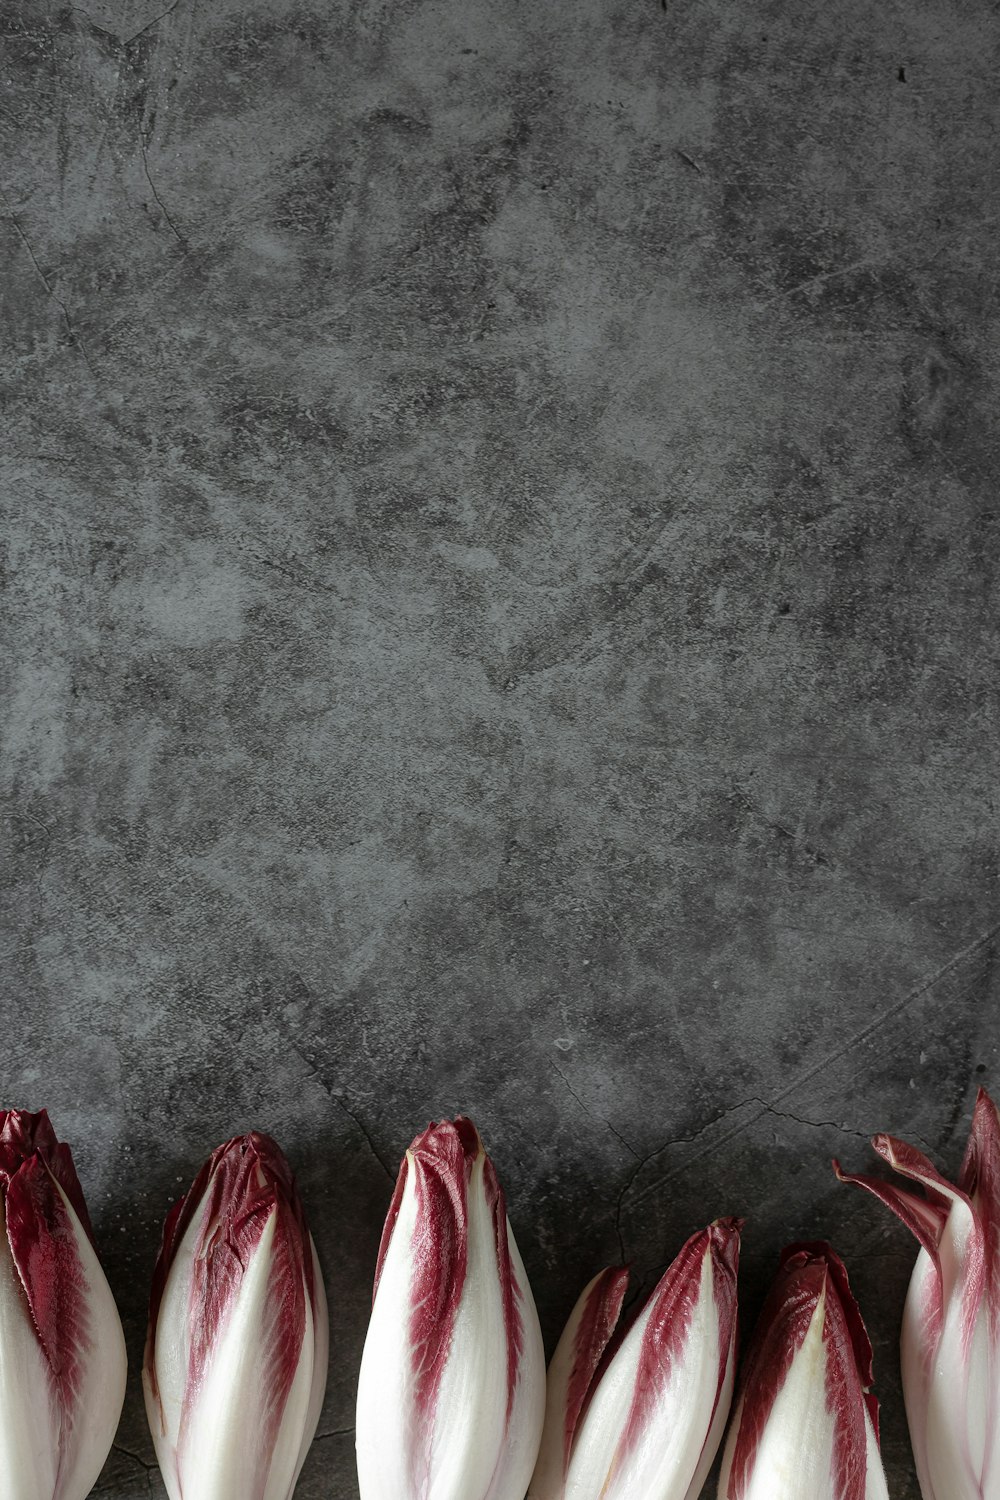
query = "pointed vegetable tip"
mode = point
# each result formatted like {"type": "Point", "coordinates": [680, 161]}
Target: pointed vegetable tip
{"type": "Point", "coordinates": [671, 1307]}
{"type": "Point", "coordinates": [242, 1220]}
{"type": "Point", "coordinates": [25, 1136]}
{"type": "Point", "coordinates": [636, 1406]}
{"type": "Point", "coordinates": [926, 1212]}
{"type": "Point", "coordinates": [951, 1321]}
{"type": "Point", "coordinates": [451, 1389]}
{"type": "Point", "coordinates": [811, 1280]}
{"type": "Point", "coordinates": [439, 1164]}
{"type": "Point", "coordinates": [235, 1189]}
{"type": "Point", "coordinates": [60, 1321]}
{"type": "Point", "coordinates": [572, 1374]}
{"type": "Point", "coordinates": [923, 1218]}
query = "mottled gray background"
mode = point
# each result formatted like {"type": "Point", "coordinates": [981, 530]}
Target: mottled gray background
{"type": "Point", "coordinates": [501, 614]}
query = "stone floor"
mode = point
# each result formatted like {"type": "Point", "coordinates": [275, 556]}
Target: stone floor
{"type": "Point", "coordinates": [501, 615]}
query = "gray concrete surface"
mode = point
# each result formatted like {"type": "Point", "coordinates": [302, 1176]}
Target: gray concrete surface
{"type": "Point", "coordinates": [500, 530]}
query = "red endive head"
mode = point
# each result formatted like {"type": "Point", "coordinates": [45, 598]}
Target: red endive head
{"type": "Point", "coordinates": [242, 1184]}
{"type": "Point", "coordinates": [28, 1144]}
{"type": "Point", "coordinates": [810, 1275]}
{"type": "Point", "coordinates": [636, 1407]}
{"type": "Point", "coordinates": [968, 1212]}
{"type": "Point", "coordinates": [62, 1349]}
{"type": "Point", "coordinates": [34, 1166]}
{"type": "Point", "coordinates": [451, 1389]}
{"type": "Point", "coordinates": [441, 1160]}
{"type": "Point", "coordinates": [671, 1306]}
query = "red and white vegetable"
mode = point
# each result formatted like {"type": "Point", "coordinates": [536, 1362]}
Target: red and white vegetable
{"type": "Point", "coordinates": [451, 1395]}
{"type": "Point", "coordinates": [237, 1350]}
{"type": "Point", "coordinates": [641, 1418]}
{"type": "Point", "coordinates": [805, 1422]}
{"type": "Point", "coordinates": [950, 1343]}
{"type": "Point", "coordinates": [62, 1351]}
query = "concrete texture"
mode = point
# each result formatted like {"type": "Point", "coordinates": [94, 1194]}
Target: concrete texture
{"type": "Point", "coordinates": [500, 535]}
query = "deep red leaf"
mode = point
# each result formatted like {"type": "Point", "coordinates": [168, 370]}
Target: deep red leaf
{"type": "Point", "coordinates": [244, 1183]}
{"type": "Point", "coordinates": [808, 1273]}
{"type": "Point", "coordinates": [980, 1179]}
{"type": "Point", "coordinates": [596, 1327]}
{"type": "Point", "coordinates": [47, 1259]}
{"type": "Point", "coordinates": [23, 1135]}
{"type": "Point", "coordinates": [673, 1302]}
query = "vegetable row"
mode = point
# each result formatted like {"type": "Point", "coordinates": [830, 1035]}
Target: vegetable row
{"type": "Point", "coordinates": [454, 1402]}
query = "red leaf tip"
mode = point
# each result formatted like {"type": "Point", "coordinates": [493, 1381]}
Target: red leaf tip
{"type": "Point", "coordinates": [245, 1185]}
{"type": "Point", "coordinates": [821, 1252]}
{"type": "Point", "coordinates": [727, 1227]}
{"type": "Point", "coordinates": [441, 1136]}
{"type": "Point", "coordinates": [245, 1179]}
{"type": "Point", "coordinates": [669, 1310]}
{"type": "Point", "coordinates": [811, 1274]}
{"type": "Point", "coordinates": [37, 1180]}
{"type": "Point", "coordinates": [443, 1148]}
{"type": "Point", "coordinates": [599, 1319]}
{"type": "Point", "coordinates": [26, 1137]}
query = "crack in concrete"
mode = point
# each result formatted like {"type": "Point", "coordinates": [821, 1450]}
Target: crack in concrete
{"type": "Point", "coordinates": [590, 1113]}
{"type": "Point", "coordinates": [75, 341]}
{"type": "Point", "coordinates": [682, 1140]}
{"type": "Point", "coordinates": [774, 825]}
{"type": "Point", "coordinates": [823, 276]}
{"type": "Point", "coordinates": [762, 1108]}
{"type": "Point", "coordinates": [77, 10]}
{"type": "Point", "coordinates": [690, 161]}
{"type": "Point", "coordinates": [335, 1099]}
{"type": "Point", "coordinates": [126, 1453]}
{"type": "Point", "coordinates": [862, 1035]}
{"type": "Point", "coordinates": [304, 579]}
{"type": "Point", "coordinates": [144, 148]}
{"type": "Point", "coordinates": [368, 1140]}
{"type": "Point", "coordinates": [150, 24]}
